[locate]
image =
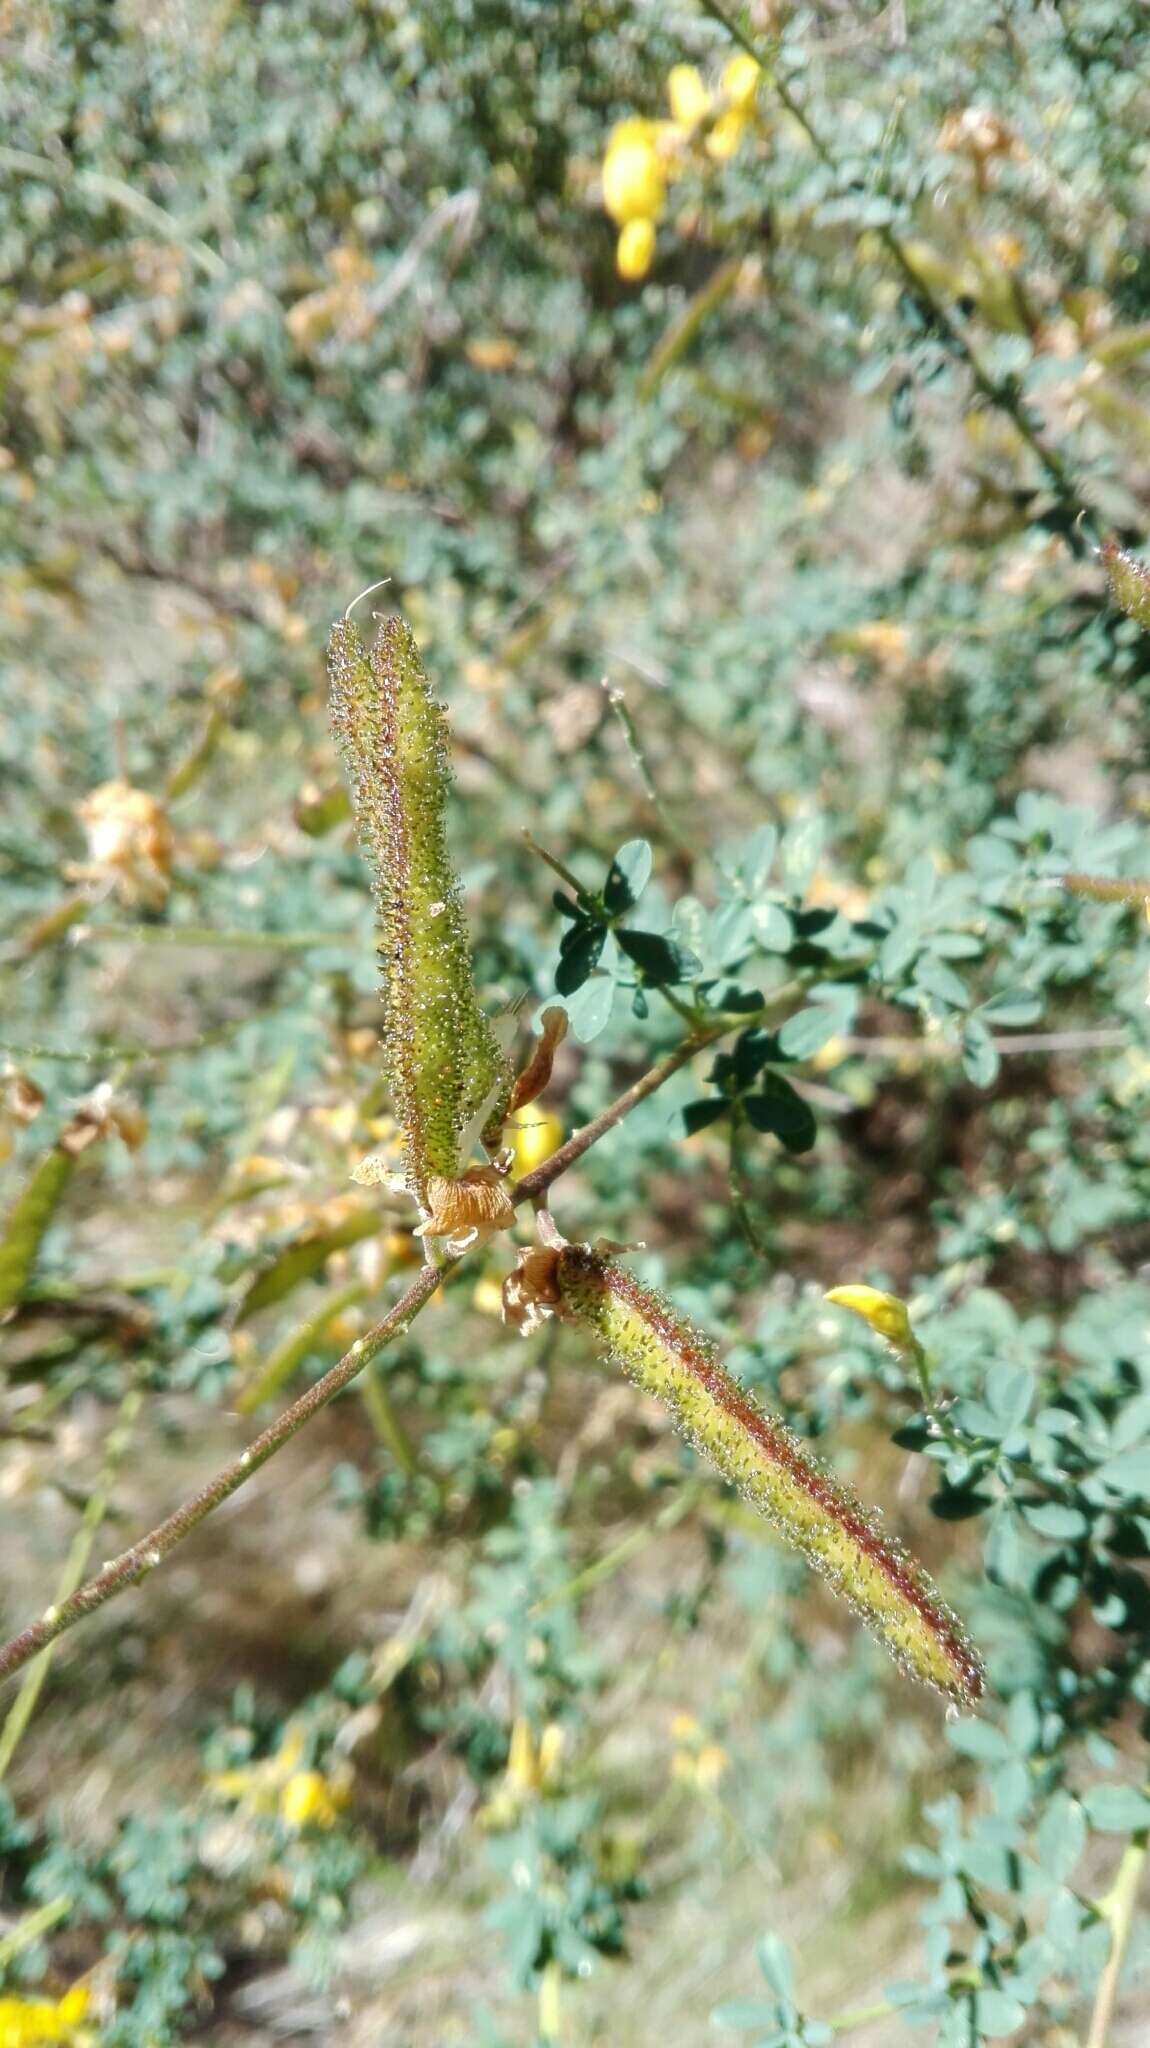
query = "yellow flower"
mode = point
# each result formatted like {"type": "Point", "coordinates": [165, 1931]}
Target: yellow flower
{"type": "Point", "coordinates": [258, 1786]}
{"type": "Point", "coordinates": [726, 135]}
{"type": "Point", "coordinates": [633, 184]}
{"type": "Point", "coordinates": [537, 1133]}
{"type": "Point", "coordinates": [27, 2020]}
{"type": "Point", "coordinates": [635, 249]}
{"type": "Point", "coordinates": [310, 1800]}
{"type": "Point", "coordinates": [885, 1313]}
{"type": "Point", "coordinates": [740, 81]}
{"type": "Point", "coordinates": [690, 100]}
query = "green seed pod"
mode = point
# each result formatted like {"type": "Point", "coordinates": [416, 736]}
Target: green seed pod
{"type": "Point", "coordinates": [444, 1063]}
{"type": "Point", "coordinates": [1129, 581]}
{"type": "Point", "coordinates": [663, 1354]}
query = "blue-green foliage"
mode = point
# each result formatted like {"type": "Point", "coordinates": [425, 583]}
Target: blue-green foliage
{"type": "Point", "coordinates": [319, 294]}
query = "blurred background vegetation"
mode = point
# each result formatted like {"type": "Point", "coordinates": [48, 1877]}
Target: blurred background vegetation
{"type": "Point", "coordinates": [484, 1715]}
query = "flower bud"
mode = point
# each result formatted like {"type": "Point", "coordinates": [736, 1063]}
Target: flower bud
{"type": "Point", "coordinates": [885, 1313]}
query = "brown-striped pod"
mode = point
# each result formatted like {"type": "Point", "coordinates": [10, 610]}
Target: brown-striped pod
{"type": "Point", "coordinates": [667, 1357]}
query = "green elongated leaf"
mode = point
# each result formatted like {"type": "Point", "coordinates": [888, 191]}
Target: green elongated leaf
{"type": "Point", "coordinates": [808, 1030]}
{"type": "Point", "coordinates": [1012, 1008]}
{"type": "Point", "coordinates": [31, 1213]}
{"type": "Point", "coordinates": [736, 2015]}
{"type": "Point", "coordinates": [1116, 1809]}
{"type": "Point", "coordinates": [941, 982]}
{"type": "Point", "coordinates": [772, 927]}
{"type": "Point", "coordinates": [980, 1061]}
{"type": "Point", "coordinates": [1051, 1518]}
{"type": "Point", "coordinates": [997, 2013]}
{"type": "Point", "coordinates": [775, 1963]}
{"type": "Point", "coordinates": [757, 859]}
{"type": "Point", "coordinates": [1060, 1837]}
{"type": "Point", "coordinates": [627, 877]}
{"type": "Point", "coordinates": [1129, 1472]}
{"type": "Point", "coordinates": [589, 1009]}
{"type": "Point", "coordinates": [1009, 1392]}
{"type": "Point", "coordinates": [981, 1740]}
{"type": "Point", "coordinates": [301, 1261]}
{"type": "Point", "coordinates": [957, 1504]}
{"type": "Point", "coordinates": [661, 961]}
{"type": "Point", "coordinates": [278, 1367]}
{"type": "Point", "coordinates": [777, 1109]}
{"type": "Point", "coordinates": [579, 955]}
{"type": "Point", "coordinates": [697, 1115]}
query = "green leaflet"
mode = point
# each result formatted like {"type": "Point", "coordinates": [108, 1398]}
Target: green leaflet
{"type": "Point", "coordinates": [443, 1061]}
{"type": "Point", "coordinates": [662, 1353]}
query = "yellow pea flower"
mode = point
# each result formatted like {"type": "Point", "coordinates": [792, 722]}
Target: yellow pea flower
{"type": "Point", "coordinates": [726, 135]}
{"type": "Point", "coordinates": [310, 1800]}
{"type": "Point", "coordinates": [635, 250]}
{"type": "Point", "coordinates": [885, 1313]}
{"type": "Point", "coordinates": [634, 187]}
{"type": "Point", "coordinates": [689, 98]}
{"type": "Point", "coordinates": [24, 2021]}
{"type": "Point", "coordinates": [740, 81]}
{"type": "Point", "coordinates": [537, 1133]}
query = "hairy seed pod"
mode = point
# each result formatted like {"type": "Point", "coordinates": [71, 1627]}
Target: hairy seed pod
{"type": "Point", "coordinates": [444, 1062]}
{"type": "Point", "coordinates": [1129, 581]}
{"type": "Point", "coordinates": [661, 1352]}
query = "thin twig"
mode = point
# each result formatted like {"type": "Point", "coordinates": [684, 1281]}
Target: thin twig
{"type": "Point", "coordinates": [209, 935]}
{"type": "Point", "coordinates": [1013, 1042]}
{"type": "Point", "coordinates": [141, 1558]}
{"type": "Point", "coordinates": [24, 1705]}
{"type": "Point", "coordinates": [1118, 1909]}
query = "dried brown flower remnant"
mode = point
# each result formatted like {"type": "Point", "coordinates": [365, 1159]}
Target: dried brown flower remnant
{"type": "Point", "coordinates": [531, 1292]}
{"type": "Point", "coordinates": [467, 1211]}
{"type": "Point", "coordinates": [130, 842]}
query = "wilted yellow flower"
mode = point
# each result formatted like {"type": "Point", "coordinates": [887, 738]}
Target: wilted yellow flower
{"type": "Point", "coordinates": [635, 250]}
{"type": "Point", "coordinates": [27, 2020]}
{"type": "Point", "coordinates": [885, 1313]}
{"type": "Point", "coordinates": [634, 187]}
{"type": "Point", "coordinates": [690, 100]}
{"type": "Point", "coordinates": [740, 81]}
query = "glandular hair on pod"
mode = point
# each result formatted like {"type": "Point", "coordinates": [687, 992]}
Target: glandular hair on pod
{"type": "Point", "coordinates": [666, 1356]}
